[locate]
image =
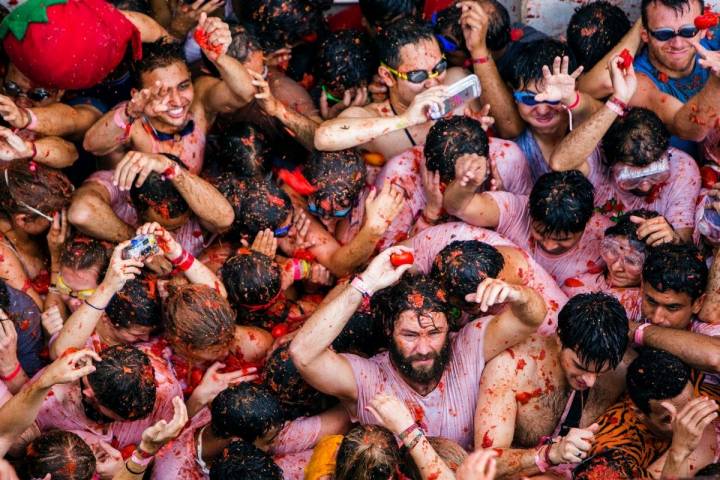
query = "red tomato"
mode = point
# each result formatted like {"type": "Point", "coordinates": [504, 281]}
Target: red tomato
{"type": "Point", "coordinates": [127, 451]}
{"type": "Point", "coordinates": [709, 176]}
{"type": "Point", "coordinates": [201, 37]}
{"type": "Point", "coordinates": [402, 258]}
{"type": "Point", "coordinates": [279, 330]}
{"type": "Point", "coordinates": [707, 20]}
{"type": "Point", "coordinates": [573, 282]}
{"type": "Point", "coordinates": [627, 59]}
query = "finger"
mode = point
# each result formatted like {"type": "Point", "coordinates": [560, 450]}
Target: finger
{"type": "Point", "coordinates": [658, 238]}
{"type": "Point", "coordinates": [578, 71]}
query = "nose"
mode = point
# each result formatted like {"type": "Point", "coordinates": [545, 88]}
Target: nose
{"type": "Point", "coordinates": [589, 379]}
{"type": "Point", "coordinates": [677, 42]}
{"type": "Point", "coordinates": [618, 264]}
{"type": "Point", "coordinates": [542, 109]}
{"type": "Point", "coordinates": [657, 317]}
{"type": "Point", "coordinates": [645, 186]}
{"type": "Point", "coordinates": [431, 82]}
{"type": "Point", "coordinates": [423, 347]}
{"type": "Point", "coordinates": [550, 245]}
{"type": "Point", "coordinates": [175, 98]}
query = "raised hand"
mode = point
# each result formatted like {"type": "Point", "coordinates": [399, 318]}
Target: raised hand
{"type": "Point", "coordinates": [170, 247]}
{"type": "Point", "coordinates": [381, 273]}
{"type": "Point", "coordinates": [136, 166]}
{"type": "Point", "coordinates": [69, 367]}
{"type": "Point", "coordinates": [474, 22]}
{"type": "Point", "coordinates": [559, 85]}
{"type": "Point", "coordinates": [573, 447]}
{"type": "Point", "coordinates": [16, 116]}
{"type": "Point", "coordinates": [216, 37]}
{"type": "Point", "coordinates": [690, 422]}
{"type": "Point", "coordinates": [483, 116]}
{"type": "Point", "coordinates": [187, 15]}
{"type": "Point", "coordinates": [58, 234]}
{"type": "Point", "coordinates": [624, 81]}
{"type": "Point", "coordinates": [157, 435]}
{"type": "Point", "coordinates": [708, 59]}
{"type": "Point", "coordinates": [654, 231]}
{"type": "Point", "coordinates": [391, 412]}
{"type": "Point", "coordinates": [214, 382]}
{"type": "Point", "coordinates": [120, 270]}
{"type": "Point", "coordinates": [417, 111]}
{"type": "Point", "coordinates": [492, 291]}
{"type": "Point", "coordinates": [382, 208]}
{"type": "Point", "coordinates": [265, 243]}
{"type": "Point", "coordinates": [52, 321]}
{"type": "Point", "coordinates": [149, 101]}
{"type": "Point", "coordinates": [359, 99]}
{"type": "Point", "coordinates": [264, 94]}
{"type": "Point", "coordinates": [433, 192]}
{"type": "Point", "coordinates": [471, 170]}
{"type": "Point", "coordinates": [12, 147]}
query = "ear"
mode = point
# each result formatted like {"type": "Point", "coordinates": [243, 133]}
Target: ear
{"type": "Point", "coordinates": [644, 35]}
{"type": "Point", "coordinates": [698, 304]}
{"type": "Point", "coordinates": [387, 77]}
{"type": "Point", "coordinates": [133, 91]}
{"type": "Point", "coordinates": [20, 219]}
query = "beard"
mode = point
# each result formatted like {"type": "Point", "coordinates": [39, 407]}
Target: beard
{"type": "Point", "coordinates": [421, 375]}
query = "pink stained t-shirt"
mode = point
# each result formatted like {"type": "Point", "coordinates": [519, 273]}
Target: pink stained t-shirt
{"type": "Point", "coordinates": [711, 330]}
{"type": "Point", "coordinates": [177, 459]}
{"type": "Point", "coordinates": [448, 411]}
{"type": "Point", "coordinates": [428, 243]}
{"type": "Point", "coordinates": [191, 235]}
{"type": "Point", "coordinates": [675, 199]}
{"type": "Point", "coordinates": [404, 171]}
{"type": "Point", "coordinates": [630, 298]}
{"type": "Point", "coordinates": [514, 223]}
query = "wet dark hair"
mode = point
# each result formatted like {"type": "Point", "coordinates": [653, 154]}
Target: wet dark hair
{"type": "Point", "coordinates": [160, 195]}
{"type": "Point", "coordinates": [451, 138]}
{"type": "Point", "coordinates": [638, 138]}
{"type": "Point", "coordinates": [710, 471]}
{"type": "Point", "coordinates": [63, 454]}
{"type": "Point", "coordinates": [595, 327]}
{"type": "Point", "coordinates": [381, 13]}
{"type": "Point", "coordinates": [679, 268]}
{"type": "Point", "coordinates": [655, 375]}
{"type": "Point", "coordinates": [623, 227]}
{"type": "Point", "coordinates": [610, 464]}
{"type": "Point", "coordinates": [246, 411]}
{"type": "Point", "coordinates": [136, 304]}
{"type": "Point", "coordinates": [43, 188]}
{"type": "Point", "coordinates": [362, 335]}
{"type": "Point", "coordinates": [338, 177]}
{"type": "Point", "coordinates": [532, 56]}
{"type": "Point", "coordinates": [419, 294]}
{"type": "Point", "coordinates": [241, 461]}
{"type": "Point", "coordinates": [279, 23]}
{"type": "Point", "coordinates": [258, 203]}
{"type": "Point", "coordinates": [124, 382]}
{"type": "Point", "coordinates": [158, 54]}
{"type": "Point", "coordinates": [404, 32]}
{"type": "Point", "coordinates": [594, 29]}
{"type": "Point", "coordinates": [448, 450]}
{"type": "Point", "coordinates": [242, 150]}
{"type": "Point", "coordinates": [345, 60]}
{"type": "Point", "coordinates": [198, 316]}
{"type": "Point", "coordinates": [251, 278]}
{"type": "Point", "coordinates": [367, 452]}
{"type": "Point", "coordinates": [678, 6]}
{"type": "Point", "coordinates": [562, 202]}
{"type": "Point", "coordinates": [82, 252]}
{"type": "Point", "coordinates": [297, 397]}
{"type": "Point", "coordinates": [498, 34]}
{"type": "Point", "coordinates": [462, 265]}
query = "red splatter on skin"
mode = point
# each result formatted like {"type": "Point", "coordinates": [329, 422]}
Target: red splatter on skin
{"type": "Point", "coordinates": [663, 77]}
{"type": "Point", "coordinates": [554, 306]}
{"type": "Point", "coordinates": [499, 451]}
{"type": "Point", "coordinates": [127, 451]}
{"type": "Point", "coordinates": [487, 441]}
{"type": "Point", "coordinates": [162, 243]}
{"type": "Point", "coordinates": [510, 351]}
{"type": "Point", "coordinates": [542, 355]}
{"type": "Point", "coordinates": [520, 364]}
{"type": "Point", "coordinates": [68, 351]}
{"type": "Point", "coordinates": [525, 397]}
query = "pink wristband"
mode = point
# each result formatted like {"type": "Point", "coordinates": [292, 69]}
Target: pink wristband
{"type": "Point", "coordinates": [541, 459]}
{"type": "Point", "coordinates": [33, 120]}
{"type": "Point", "coordinates": [359, 285]}
{"type": "Point", "coordinates": [639, 337]}
{"type": "Point", "coordinates": [143, 462]}
{"type": "Point", "coordinates": [120, 121]}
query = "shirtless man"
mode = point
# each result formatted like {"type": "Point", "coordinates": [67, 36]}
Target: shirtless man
{"type": "Point", "coordinates": [168, 115]}
{"type": "Point", "coordinates": [421, 350]}
{"type": "Point", "coordinates": [542, 389]}
{"type": "Point", "coordinates": [413, 68]}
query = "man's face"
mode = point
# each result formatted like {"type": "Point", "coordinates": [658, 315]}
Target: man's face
{"type": "Point", "coordinates": [170, 224]}
{"type": "Point", "coordinates": [659, 420]}
{"type": "Point", "coordinates": [255, 61]}
{"type": "Point", "coordinates": [669, 309]}
{"type": "Point", "coordinates": [176, 77]}
{"type": "Point", "coordinates": [554, 243]}
{"type": "Point", "coordinates": [420, 346]}
{"type": "Point", "coordinates": [676, 54]}
{"type": "Point", "coordinates": [542, 116]}
{"type": "Point", "coordinates": [133, 334]}
{"type": "Point", "coordinates": [424, 55]}
{"type": "Point", "coordinates": [77, 285]}
{"type": "Point", "coordinates": [579, 375]}
{"type": "Point", "coordinates": [624, 262]}
{"type": "Point", "coordinates": [17, 86]}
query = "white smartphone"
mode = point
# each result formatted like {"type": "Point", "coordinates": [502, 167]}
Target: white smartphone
{"type": "Point", "coordinates": [459, 92]}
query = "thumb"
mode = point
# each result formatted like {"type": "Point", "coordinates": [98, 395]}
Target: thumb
{"type": "Point", "coordinates": [594, 428]}
{"type": "Point", "coordinates": [637, 220]}
{"type": "Point", "coordinates": [670, 408]}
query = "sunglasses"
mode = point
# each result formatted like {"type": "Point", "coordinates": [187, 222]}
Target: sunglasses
{"type": "Point", "coordinates": [312, 208]}
{"type": "Point", "coordinates": [528, 98]}
{"type": "Point", "coordinates": [36, 95]}
{"type": "Point", "coordinates": [665, 34]}
{"type": "Point", "coordinates": [628, 177]}
{"type": "Point", "coordinates": [63, 288]}
{"type": "Point", "coordinates": [419, 76]}
{"type": "Point", "coordinates": [330, 97]}
{"type": "Point", "coordinates": [633, 258]}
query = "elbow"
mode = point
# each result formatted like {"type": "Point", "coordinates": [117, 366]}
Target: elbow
{"type": "Point", "coordinates": [82, 210]}
{"type": "Point", "coordinates": [323, 140]}
{"type": "Point", "coordinates": [298, 355]}
{"type": "Point", "coordinates": [714, 361]}
{"type": "Point", "coordinates": [68, 159]}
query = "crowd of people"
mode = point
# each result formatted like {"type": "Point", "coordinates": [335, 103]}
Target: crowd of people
{"type": "Point", "coordinates": [251, 253]}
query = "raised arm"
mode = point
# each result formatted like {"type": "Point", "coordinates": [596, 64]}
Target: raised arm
{"type": "Point", "coordinates": [234, 90]}
{"type": "Point", "coordinates": [356, 126]}
{"type": "Point", "coordinates": [205, 201]}
{"type": "Point", "coordinates": [461, 199]}
{"type": "Point", "coordinates": [310, 350]}
{"type": "Point", "coordinates": [81, 324]}
{"type": "Point", "coordinates": [573, 151]}
{"type": "Point", "coordinates": [51, 151]}
{"type": "Point", "coordinates": [697, 350]}
{"type": "Point", "coordinates": [597, 82]}
{"type": "Point", "coordinates": [21, 410]}
{"type": "Point", "coordinates": [495, 92]}
{"type": "Point", "coordinates": [56, 119]}
{"type": "Point", "coordinates": [515, 324]}
{"type": "Point", "coordinates": [710, 312]}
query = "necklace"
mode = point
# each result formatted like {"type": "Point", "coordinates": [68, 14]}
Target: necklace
{"type": "Point", "coordinates": [409, 136]}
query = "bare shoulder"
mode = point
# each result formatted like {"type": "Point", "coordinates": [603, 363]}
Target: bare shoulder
{"type": "Point", "coordinates": [522, 361]}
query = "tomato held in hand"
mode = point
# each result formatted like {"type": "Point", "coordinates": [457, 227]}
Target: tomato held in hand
{"type": "Point", "coordinates": [708, 19]}
{"type": "Point", "coordinates": [279, 330]}
{"type": "Point", "coordinates": [627, 59]}
{"type": "Point", "coordinates": [402, 258]}
{"type": "Point", "coordinates": [201, 37]}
